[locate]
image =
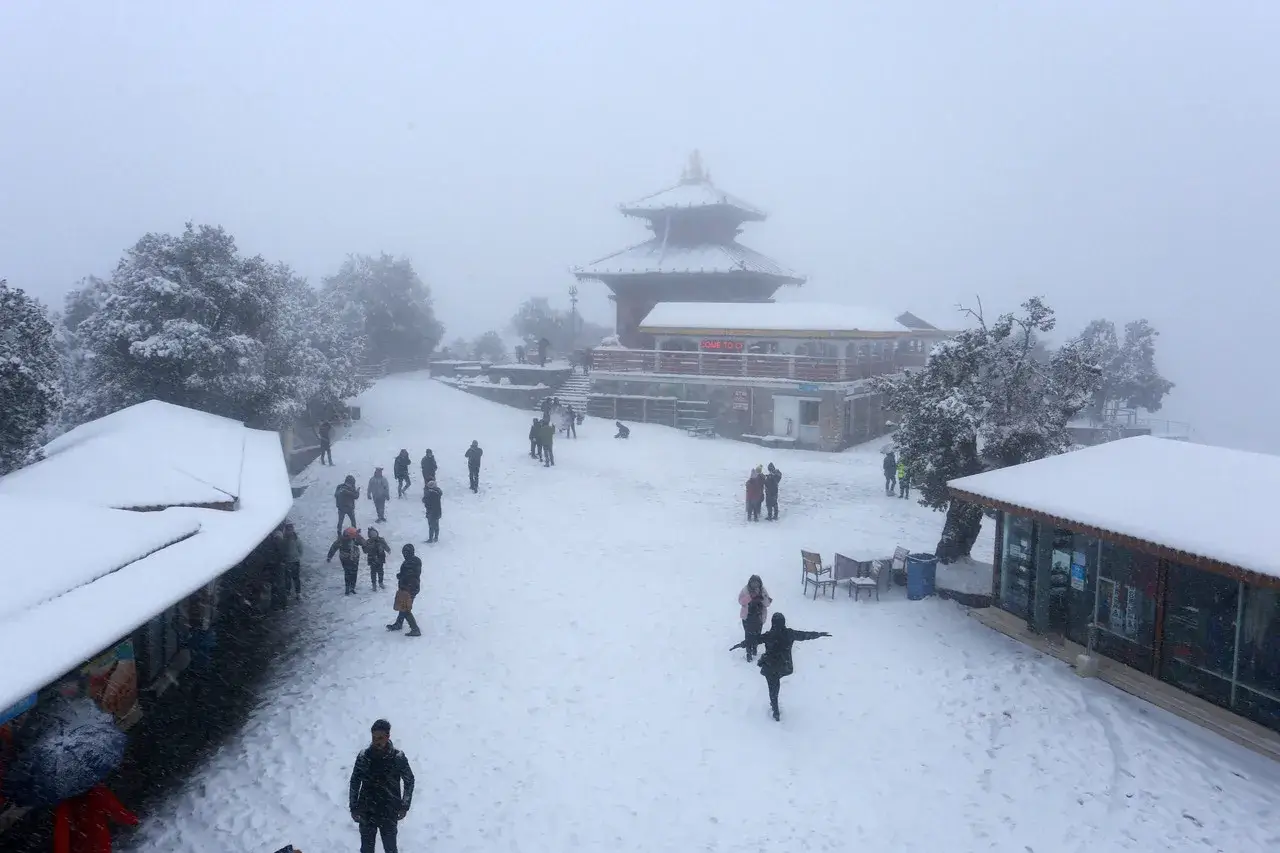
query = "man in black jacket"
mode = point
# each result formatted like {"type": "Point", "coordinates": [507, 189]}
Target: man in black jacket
{"type": "Point", "coordinates": [535, 439]}
{"type": "Point", "coordinates": [377, 803]}
{"type": "Point", "coordinates": [429, 466]}
{"type": "Point", "coordinates": [345, 497]}
{"type": "Point", "coordinates": [431, 500]}
{"type": "Point", "coordinates": [325, 431]}
{"type": "Point", "coordinates": [771, 480]}
{"type": "Point", "coordinates": [409, 583]}
{"type": "Point", "coordinates": [473, 455]}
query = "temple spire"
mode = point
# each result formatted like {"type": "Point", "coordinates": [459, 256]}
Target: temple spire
{"type": "Point", "coordinates": [695, 173]}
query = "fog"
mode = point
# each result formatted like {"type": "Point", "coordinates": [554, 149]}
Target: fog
{"type": "Point", "coordinates": [1120, 159]}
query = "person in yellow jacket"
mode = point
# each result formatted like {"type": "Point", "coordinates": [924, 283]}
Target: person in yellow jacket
{"type": "Point", "coordinates": [904, 482]}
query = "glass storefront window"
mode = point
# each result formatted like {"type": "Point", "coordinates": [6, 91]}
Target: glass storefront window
{"type": "Point", "coordinates": [1127, 606]}
{"type": "Point", "coordinates": [1017, 565]}
{"type": "Point", "coordinates": [1200, 632]}
{"type": "Point", "coordinates": [1258, 688]}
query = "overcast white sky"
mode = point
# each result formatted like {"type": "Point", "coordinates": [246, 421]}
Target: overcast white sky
{"type": "Point", "coordinates": [1120, 158]}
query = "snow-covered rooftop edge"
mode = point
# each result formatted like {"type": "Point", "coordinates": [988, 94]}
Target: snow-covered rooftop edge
{"type": "Point", "coordinates": [60, 634]}
{"type": "Point", "coordinates": [1208, 502]}
{"type": "Point", "coordinates": [769, 316]}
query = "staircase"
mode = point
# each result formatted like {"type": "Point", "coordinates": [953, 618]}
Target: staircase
{"type": "Point", "coordinates": [574, 391]}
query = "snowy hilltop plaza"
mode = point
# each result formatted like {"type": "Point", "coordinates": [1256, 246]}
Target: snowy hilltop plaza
{"type": "Point", "coordinates": [574, 688]}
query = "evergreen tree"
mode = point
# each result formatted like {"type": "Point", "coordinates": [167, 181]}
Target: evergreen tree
{"type": "Point", "coordinates": [189, 321]}
{"type": "Point", "coordinates": [986, 399]}
{"type": "Point", "coordinates": [1130, 378]}
{"type": "Point", "coordinates": [383, 300]}
{"type": "Point", "coordinates": [30, 377]}
{"type": "Point", "coordinates": [489, 347]}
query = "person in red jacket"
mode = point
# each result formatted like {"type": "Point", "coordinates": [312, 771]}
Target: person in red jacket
{"type": "Point", "coordinates": [755, 493]}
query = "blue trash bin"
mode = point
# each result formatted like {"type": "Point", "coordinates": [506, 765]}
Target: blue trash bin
{"type": "Point", "coordinates": [922, 575]}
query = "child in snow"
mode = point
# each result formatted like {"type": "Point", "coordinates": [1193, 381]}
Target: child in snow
{"type": "Point", "coordinates": [379, 492]}
{"type": "Point", "coordinates": [348, 547]}
{"type": "Point", "coordinates": [535, 439]}
{"type": "Point", "coordinates": [623, 430]}
{"type": "Point", "coordinates": [775, 664]}
{"type": "Point", "coordinates": [755, 493]}
{"type": "Point", "coordinates": [753, 604]}
{"type": "Point", "coordinates": [431, 500]}
{"type": "Point", "coordinates": [401, 469]}
{"type": "Point", "coordinates": [904, 480]}
{"type": "Point", "coordinates": [376, 550]}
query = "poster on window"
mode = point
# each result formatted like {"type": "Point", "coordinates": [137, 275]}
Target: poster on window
{"type": "Point", "coordinates": [1117, 619]}
{"type": "Point", "coordinates": [1077, 577]}
{"type": "Point", "coordinates": [1131, 613]}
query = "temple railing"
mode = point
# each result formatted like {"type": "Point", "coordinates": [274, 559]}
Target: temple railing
{"type": "Point", "coordinates": [800, 368]}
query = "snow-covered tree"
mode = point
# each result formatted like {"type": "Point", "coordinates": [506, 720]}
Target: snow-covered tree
{"type": "Point", "coordinates": [985, 400]}
{"type": "Point", "coordinates": [459, 348]}
{"type": "Point", "coordinates": [383, 299]}
{"type": "Point", "coordinates": [189, 321]}
{"type": "Point", "coordinates": [536, 319]}
{"type": "Point", "coordinates": [1130, 378]}
{"type": "Point", "coordinates": [30, 377]}
{"type": "Point", "coordinates": [489, 347]}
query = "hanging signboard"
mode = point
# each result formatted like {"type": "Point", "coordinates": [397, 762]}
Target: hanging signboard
{"type": "Point", "coordinates": [742, 400]}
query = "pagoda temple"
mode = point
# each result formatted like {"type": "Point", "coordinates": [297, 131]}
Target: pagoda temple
{"type": "Point", "coordinates": [693, 255]}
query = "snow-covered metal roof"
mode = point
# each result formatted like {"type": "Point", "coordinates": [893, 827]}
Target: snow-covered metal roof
{"type": "Point", "coordinates": [114, 570]}
{"type": "Point", "coordinates": [152, 454]}
{"type": "Point", "coordinates": [743, 317]}
{"type": "Point", "coordinates": [689, 195]}
{"type": "Point", "coordinates": [1209, 502]}
{"type": "Point", "coordinates": [653, 257]}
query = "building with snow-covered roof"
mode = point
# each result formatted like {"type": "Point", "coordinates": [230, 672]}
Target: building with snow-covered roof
{"type": "Point", "coordinates": [151, 528]}
{"type": "Point", "coordinates": [693, 255]}
{"type": "Point", "coordinates": [1156, 553]}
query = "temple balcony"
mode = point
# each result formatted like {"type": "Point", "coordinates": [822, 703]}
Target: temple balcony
{"type": "Point", "coordinates": [797, 368]}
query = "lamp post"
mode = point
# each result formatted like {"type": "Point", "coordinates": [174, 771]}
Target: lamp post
{"type": "Point", "coordinates": [573, 314]}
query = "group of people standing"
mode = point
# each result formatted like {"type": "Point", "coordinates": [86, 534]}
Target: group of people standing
{"type": "Point", "coordinates": [895, 472]}
{"type": "Point", "coordinates": [776, 663]}
{"type": "Point", "coordinates": [556, 417]}
{"type": "Point", "coordinates": [762, 488]}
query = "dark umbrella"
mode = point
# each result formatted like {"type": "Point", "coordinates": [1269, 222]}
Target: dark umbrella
{"type": "Point", "coordinates": [68, 747]}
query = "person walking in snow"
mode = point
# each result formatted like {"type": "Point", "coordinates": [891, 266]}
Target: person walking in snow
{"type": "Point", "coordinates": [345, 497]}
{"type": "Point", "coordinates": [401, 469]}
{"type": "Point", "coordinates": [890, 473]}
{"type": "Point", "coordinates": [623, 430]}
{"type": "Point", "coordinates": [776, 664]}
{"type": "Point", "coordinates": [473, 455]}
{"type": "Point", "coordinates": [376, 800]}
{"type": "Point", "coordinates": [546, 404]}
{"type": "Point", "coordinates": [409, 583]}
{"type": "Point", "coordinates": [548, 445]}
{"type": "Point", "coordinates": [543, 346]}
{"type": "Point", "coordinates": [325, 431]}
{"type": "Point", "coordinates": [379, 491]}
{"type": "Point", "coordinates": [568, 422]}
{"type": "Point", "coordinates": [276, 572]}
{"type": "Point", "coordinates": [753, 607]}
{"type": "Point", "coordinates": [771, 481]}
{"type": "Point", "coordinates": [291, 557]}
{"type": "Point", "coordinates": [348, 547]}
{"type": "Point", "coordinates": [431, 497]}
{"type": "Point", "coordinates": [755, 493]}
{"type": "Point", "coordinates": [535, 439]}
{"type": "Point", "coordinates": [904, 480]}
{"type": "Point", "coordinates": [429, 466]}
{"type": "Point", "coordinates": [376, 550]}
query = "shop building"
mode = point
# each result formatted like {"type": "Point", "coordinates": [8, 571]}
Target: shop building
{"type": "Point", "coordinates": [789, 374]}
{"type": "Point", "coordinates": [1157, 554]}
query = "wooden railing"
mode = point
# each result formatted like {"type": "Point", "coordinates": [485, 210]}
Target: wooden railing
{"type": "Point", "coordinates": [801, 368]}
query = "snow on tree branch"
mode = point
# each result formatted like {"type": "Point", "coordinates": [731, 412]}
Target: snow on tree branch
{"type": "Point", "coordinates": [30, 377]}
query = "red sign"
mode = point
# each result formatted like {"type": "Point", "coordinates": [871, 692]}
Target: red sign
{"type": "Point", "coordinates": [722, 346]}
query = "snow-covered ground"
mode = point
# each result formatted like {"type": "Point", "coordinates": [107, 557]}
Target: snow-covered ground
{"type": "Point", "coordinates": [574, 688]}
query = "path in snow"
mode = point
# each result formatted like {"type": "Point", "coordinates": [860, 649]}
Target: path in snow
{"type": "Point", "coordinates": [573, 690]}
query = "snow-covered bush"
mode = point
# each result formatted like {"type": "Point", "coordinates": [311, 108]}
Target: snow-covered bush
{"type": "Point", "coordinates": [30, 377]}
{"type": "Point", "coordinates": [984, 400]}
